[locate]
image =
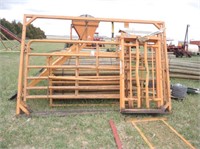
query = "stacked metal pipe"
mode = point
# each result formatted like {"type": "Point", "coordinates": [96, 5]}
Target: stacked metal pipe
{"type": "Point", "coordinates": [184, 69]}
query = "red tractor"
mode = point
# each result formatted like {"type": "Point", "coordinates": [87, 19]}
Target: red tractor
{"type": "Point", "coordinates": [98, 38]}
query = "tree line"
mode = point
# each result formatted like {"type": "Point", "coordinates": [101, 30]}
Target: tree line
{"type": "Point", "coordinates": [32, 32]}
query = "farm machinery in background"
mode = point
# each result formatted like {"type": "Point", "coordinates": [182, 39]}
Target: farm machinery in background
{"type": "Point", "coordinates": [4, 31]}
{"type": "Point", "coordinates": [9, 33]}
{"type": "Point", "coordinates": [97, 37]}
{"type": "Point", "coordinates": [185, 48]}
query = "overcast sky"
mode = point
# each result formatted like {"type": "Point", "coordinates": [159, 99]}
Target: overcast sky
{"type": "Point", "coordinates": [176, 13]}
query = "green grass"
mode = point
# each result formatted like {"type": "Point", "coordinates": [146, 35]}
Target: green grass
{"type": "Point", "coordinates": [90, 130]}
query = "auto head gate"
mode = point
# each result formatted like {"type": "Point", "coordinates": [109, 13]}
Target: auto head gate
{"type": "Point", "coordinates": [135, 72]}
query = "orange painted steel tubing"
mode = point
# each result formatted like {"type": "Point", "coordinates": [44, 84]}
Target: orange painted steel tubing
{"type": "Point", "coordinates": [143, 136]}
{"type": "Point", "coordinates": [94, 73]}
{"type": "Point", "coordinates": [122, 102]}
{"type": "Point", "coordinates": [137, 75]}
{"type": "Point", "coordinates": [33, 17]}
{"type": "Point", "coordinates": [19, 106]}
{"type": "Point", "coordinates": [180, 136]}
{"type": "Point", "coordinates": [134, 121]}
{"type": "Point", "coordinates": [147, 76]}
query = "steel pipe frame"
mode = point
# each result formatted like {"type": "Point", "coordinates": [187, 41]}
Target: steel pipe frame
{"type": "Point", "coordinates": [162, 75]}
{"type": "Point", "coordinates": [163, 120]}
{"type": "Point", "coordinates": [110, 54]}
{"type": "Point", "coordinates": [29, 18]}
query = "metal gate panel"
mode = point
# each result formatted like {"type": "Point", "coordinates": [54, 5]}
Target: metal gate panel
{"type": "Point", "coordinates": [143, 80]}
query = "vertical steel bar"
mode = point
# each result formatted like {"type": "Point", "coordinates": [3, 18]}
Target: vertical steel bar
{"type": "Point", "coordinates": [21, 67]}
{"type": "Point", "coordinates": [126, 67]}
{"type": "Point", "coordinates": [71, 31]}
{"type": "Point", "coordinates": [49, 63]}
{"type": "Point", "coordinates": [122, 101]}
{"type": "Point", "coordinates": [153, 78]}
{"type": "Point", "coordinates": [157, 74]}
{"type": "Point", "coordinates": [167, 70]}
{"type": "Point", "coordinates": [142, 75]}
{"type": "Point", "coordinates": [147, 75]}
{"type": "Point", "coordinates": [26, 70]}
{"type": "Point", "coordinates": [160, 73]}
{"type": "Point", "coordinates": [137, 74]}
{"type": "Point", "coordinates": [164, 88]}
{"type": "Point", "coordinates": [130, 77]}
{"type": "Point", "coordinates": [112, 36]}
